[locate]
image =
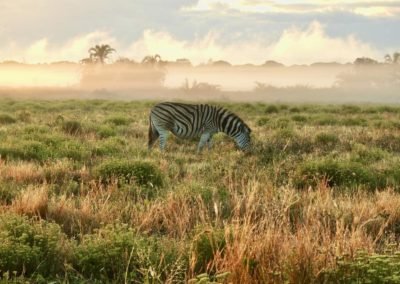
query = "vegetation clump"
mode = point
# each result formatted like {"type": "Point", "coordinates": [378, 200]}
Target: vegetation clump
{"type": "Point", "coordinates": [141, 173]}
{"type": "Point", "coordinates": [72, 127]}
{"type": "Point", "coordinates": [28, 247]}
{"type": "Point", "coordinates": [7, 119]}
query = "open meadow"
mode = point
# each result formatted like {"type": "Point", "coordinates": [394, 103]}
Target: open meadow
{"type": "Point", "coordinates": [83, 201]}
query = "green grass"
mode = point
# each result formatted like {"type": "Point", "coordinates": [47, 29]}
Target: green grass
{"type": "Point", "coordinates": [83, 200]}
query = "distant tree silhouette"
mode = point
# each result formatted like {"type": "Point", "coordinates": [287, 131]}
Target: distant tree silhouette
{"type": "Point", "coordinates": [395, 59]}
{"type": "Point", "coordinates": [183, 62]}
{"type": "Point", "coordinates": [153, 61]}
{"type": "Point", "coordinates": [272, 63]}
{"type": "Point", "coordinates": [125, 61]}
{"type": "Point", "coordinates": [365, 61]}
{"type": "Point", "coordinates": [87, 61]}
{"type": "Point", "coordinates": [221, 63]}
{"type": "Point", "coordinates": [99, 53]}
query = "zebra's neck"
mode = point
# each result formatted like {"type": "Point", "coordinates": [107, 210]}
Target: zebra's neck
{"type": "Point", "coordinates": [227, 122]}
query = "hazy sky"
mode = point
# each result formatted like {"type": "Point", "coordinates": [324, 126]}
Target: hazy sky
{"type": "Point", "coordinates": [241, 31]}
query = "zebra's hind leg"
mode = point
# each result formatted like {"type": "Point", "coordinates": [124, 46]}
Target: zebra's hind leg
{"type": "Point", "coordinates": [205, 137]}
{"type": "Point", "coordinates": [209, 143]}
{"type": "Point", "coordinates": [163, 138]}
{"type": "Point", "coordinates": [153, 136]}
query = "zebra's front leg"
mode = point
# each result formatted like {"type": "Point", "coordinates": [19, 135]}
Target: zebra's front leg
{"type": "Point", "coordinates": [209, 143]}
{"type": "Point", "coordinates": [163, 139]}
{"type": "Point", "coordinates": [205, 137]}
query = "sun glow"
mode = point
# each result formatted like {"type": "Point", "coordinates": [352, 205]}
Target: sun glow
{"type": "Point", "coordinates": [38, 76]}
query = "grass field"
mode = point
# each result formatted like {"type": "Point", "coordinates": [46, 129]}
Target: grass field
{"type": "Point", "coordinates": [82, 200]}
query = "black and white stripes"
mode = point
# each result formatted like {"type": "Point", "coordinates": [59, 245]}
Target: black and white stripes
{"type": "Point", "coordinates": [189, 121]}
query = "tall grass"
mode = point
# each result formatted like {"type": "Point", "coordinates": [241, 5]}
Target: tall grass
{"type": "Point", "coordinates": [82, 200]}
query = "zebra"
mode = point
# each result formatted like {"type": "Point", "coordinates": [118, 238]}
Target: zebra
{"type": "Point", "coordinates": [190, 121]}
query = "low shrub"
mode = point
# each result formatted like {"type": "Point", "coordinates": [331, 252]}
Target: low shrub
{"type": "Point", "coordinates": [74, 150]}
{"type": "Point", "coordinates": [365, 268]}
{"type": "Point", "coordinates": [30, 247]}
{"type": "Point", "coordinates": [117, 254]}
{"type": "Point", "coordinates": [118, 120]}
{"type": "Point", "coordinates": [26, 150]}
{"type": "Point", "coordinates": [271, 109]}
{"type": "Point", "coordinates": [71, 127]}
{"type": "Point", "coordinates": [205, 245]}
{"type": "Point", "coordinates": [8, 191]}
{"type": "Point", "coordinates": [368, 155]}
{"type": "Point", "coordinates": [105, 131]}
{"type": "Point", "coordinates": [327, 141]}
{"type": "Point", "coordinates": [338, 173]}
{"type": "Point", "coordinates": [326, 120]}
{"type": "Point", "coordinates": [354, 122]}
{"type": "Point", "coordinates": [141, 173]}
{"type": "Point", "coordinates": [299, 118]}
{"type": "Point", "coordinates": [7, 119]}
{"type": "Point", "coordinates": [262, 121]}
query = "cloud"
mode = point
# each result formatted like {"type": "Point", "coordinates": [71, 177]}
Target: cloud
{"type": "Point", "coordinates": [43, 51]}
{"type": "Point", "coordinates": [293, 46]}
{"type": "Point", "coordinates": [378, 8]}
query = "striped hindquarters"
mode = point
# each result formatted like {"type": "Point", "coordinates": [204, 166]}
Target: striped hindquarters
{"type": "Point", "coordinates": [184, 120]}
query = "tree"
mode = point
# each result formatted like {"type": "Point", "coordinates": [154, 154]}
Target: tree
{"type": "Point", "coordinates": [393, 59]}
{"type": "Point", "coordinates": [100, 53]}
{"type": "Point", "coordinates": [153, 61]}
{"type": "Point", "coordinates": [365, 61]}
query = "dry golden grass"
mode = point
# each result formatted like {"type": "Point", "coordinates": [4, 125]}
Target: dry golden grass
{"type": "Point", "coordinates": [33, 201]}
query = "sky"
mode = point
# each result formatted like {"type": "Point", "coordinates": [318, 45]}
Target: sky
{"type": "Point", "coordinates": [239, 31]}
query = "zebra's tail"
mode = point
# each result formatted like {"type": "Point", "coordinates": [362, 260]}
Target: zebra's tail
{"type": "Point", "coordinates": [153, 134]}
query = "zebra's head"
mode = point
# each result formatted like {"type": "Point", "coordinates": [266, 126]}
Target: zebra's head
{"type": "Point", "coordinates": [243, 139]}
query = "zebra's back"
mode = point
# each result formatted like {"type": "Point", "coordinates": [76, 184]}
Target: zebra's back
{"type": "Point", "coordinates": [183, 120]}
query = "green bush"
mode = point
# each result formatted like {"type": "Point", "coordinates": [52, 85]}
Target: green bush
{"type": "Point", "coordinates": [326, 120]}
{"type": "Point", "coordinates": [368, 155]}
{"type": "Point", "coordinates": [299, 118]}
{"type": "Point", "coordinates": [271, 109]}
{"type": "Point", "coordinates": [74, 150]}
{"type": "Point", "coordinates": [8, 191]}
{"type": "Point", "coordinates": [205, 245]}
{"type": "Point", "coordinates": [105, 131]}
{"type": "Point", "coordinates": [117, 253]}
{"type": "Point", "coordinates": [108, 147]}
{"type": "Point", "coordinates": [262, 121]}
{"type": "Point", "coordinates": [7, 119]}
{"type": "Point", "coordinates": [294, 109]}
{"type": "Point", "coordinates": [354, 122]}
{"type": "Point", "coordinates": [326, 141]}
{"type": "Point", "coordinates": [30, 247]}
{"type": "Point", "coordinates": [141, 173]}
{"type": "Point", "coordinates": [118, 120]}
{"type": "Point", "coordinates": [365, 268]}
{"type": "Point", "coordinates": [26, 150]}
{"type": "Point", "coordinates": [71, 127]}
{"type": "Point", "coordinates": [338, 173]}
{"type": "Point", "coordinates": [350, 109]}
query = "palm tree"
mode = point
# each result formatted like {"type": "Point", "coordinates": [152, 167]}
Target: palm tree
{"type": "Point", "coordinates": [153, 61]}
{"type": "Point", "coordinates": [100, 53]}
{"type": "Point", "coordinates": [392, 59]}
